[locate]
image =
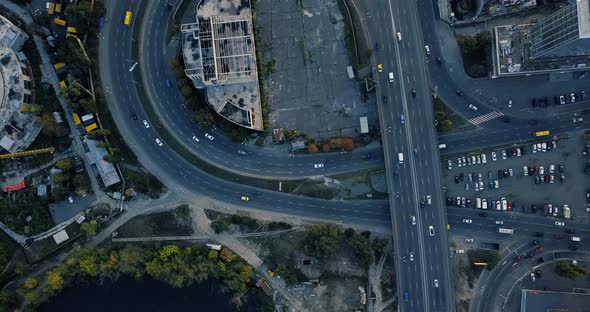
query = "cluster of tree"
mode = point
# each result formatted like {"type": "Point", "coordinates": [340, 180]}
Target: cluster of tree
{"type": "Point", "coordinates": [85, 15]}
{"type": "Point", "coordinates": [475, 50]}
{"type": "Point", "coordinates": [570, 270]}
{"type": "Point", "coordinates": [177, 266]}
{"type": "Point", "coordinates": [244, 222]}
{"type": "Point", "coordinates": [335, 144]}
{"type": "Point", "coordinates": [491, 258]}
{"type": "Point", "coordinates": [142, 182]}
{"type": "Point", "coordinates": [441, 116]}
{"type": "Point", "coordinates": [475, 43]}
{"type": "Point", "coordinates": [68, 180]}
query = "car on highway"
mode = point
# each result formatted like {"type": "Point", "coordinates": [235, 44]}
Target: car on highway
{"type": "Point", "coordinates": [399, 36]}
{"type": "Point", "coordinates": [244, 198]}
{"type": "Point", "coordinates": [467, 221]}
{"type": "Point", "coordinates": [380, 67]}
{"type": "Point", "coordinates": [208, 136]}
{"type": "Point", "coordinates": [196, 139]}
{"type": "Point", "coordinates": [473, 107]}
{"type": "Point", "coordinates": [318, 166]}
{"type": "Point", "coordinates": [429, 199]}
{"type": "Point", "coordinates": [436, 283]}
{"type": "Point", "coordinates": [559, 223]}
{"type": "Point", "coordinates": [402, 119]}
{"type": "Point", "coordinates": [146, 124]}
{"type": "Point", "coordinates": [414, 92]}
{"type": "Point", "coordinates": [431, 230]}
{"type": "Point", "coordinates": [159, 142]}
{"type": "Point", "coordinates": [427, 49]}
{"type": "Point", "coordinates": [469, 240]}
{"type": "Point", "coordinates": [391, 77]}
{"type": "Point", "coordinates": [413, 220]}
{"type": "Point", "coordinates": [242, 152]}
{"type": "Point", "coordinates": [411, 256]}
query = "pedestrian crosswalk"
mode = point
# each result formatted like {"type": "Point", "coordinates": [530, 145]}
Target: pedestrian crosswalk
{"type": "Point", "coordinates": [483, 118]}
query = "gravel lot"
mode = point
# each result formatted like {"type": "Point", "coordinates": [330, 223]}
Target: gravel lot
{"type": "Point", "coordinates": [521, 190]}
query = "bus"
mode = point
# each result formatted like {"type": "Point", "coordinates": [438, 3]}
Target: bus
{"type": "Point", "coordinates": [505, 231]}
{"type": "Point", "coordinates": [128, 15]}
{"type": "Point", "coordinates": [542, 133]}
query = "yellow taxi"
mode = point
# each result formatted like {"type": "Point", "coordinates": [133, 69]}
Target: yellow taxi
{"type": "Point", "coordinates": [380, 67]}
{"type": "Point", "coordinates": [244, 198]}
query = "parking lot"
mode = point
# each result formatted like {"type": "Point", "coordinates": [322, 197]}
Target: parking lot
{"type": "Point", "coordinates": [554, 177]}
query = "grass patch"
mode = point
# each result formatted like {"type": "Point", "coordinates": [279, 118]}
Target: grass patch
{"type": "Point", "coordinates": [315, 190]}
{"type": "Point", "coordinates": [447, 120]}
{"type": "Point", "coordinates": [221, 223]}
{"type": "Point", "coordinates": [169, 223]}
{"type": "Point", "coordinates": [144, 183]}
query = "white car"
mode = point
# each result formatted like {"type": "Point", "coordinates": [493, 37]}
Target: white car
{"type": "Point", "coordinates": [411, 256]}
{"type": "Point", "coordinates": [504, 204]}
{"type": "Point", "coordinates": [436, 283]}
{"type": "Point", "coordinates": [551, 168]}
{"type": "Point", "coordinates": [450, 166]}
{"type": "Point", "coordinates": [146, 124]}
{"type": "Point", "coordinates": [427, 48]}
{"type": "Point", "coordinates": [534, 148]}
{"type": "Point", "coordinates": [494, 158]}
{"type": "Point", "coordinates": [458, 162]}
{"type": "Point", "coordinates": [473, 107]}
{"type": "Point", "coordinates": [196, 139]}
{"type": "Point", "coordinates": [525, 169]}
{"type": "Point", "coordinates": [499, 222]}
{"type": "Point", "coordinates": [318, 166]}
{"type": "Point", "coordinates": [503, 154]}
{"type": "Point", "coordinates": [498, 205]}
{"type": "Point", "coordinates": [429, 200]}
{"type": "Point", "coordinates": [464, 161]}
{"type": "Point", "coordinates": [572, 98]}
{"type": "Point", "coordinates": [159, 142]}
{"type": "Point", "coordinates": [399, 36]}
{"type": "Point", "coordinates": [559, 223]}
{"type": "Point", "coordinates": [544, 147]}
{"type": "Point", "coordinates": [483, 159]}
{"type": "Point", "coordinates": [541, 170]}
{"type": "Point", "coordinates": [469, 240]}
{"type": "Point", "coordinates": [431, 230]}
{"type": "Point", "coordinates": [468, 221]}
{"type": "Point", "coordinates": [208, 136]}
{"type": "Point", "coordinates": [413, 220]}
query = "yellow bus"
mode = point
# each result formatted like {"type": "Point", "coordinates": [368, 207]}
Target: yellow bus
{"type": "Point", "coordinates": [542, 133]}
{"type": "Point", "coordinates": [128, 15]}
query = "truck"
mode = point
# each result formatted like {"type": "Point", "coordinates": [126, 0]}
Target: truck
{"type": "Point", "coordinates": [505, 231]}
{"type": "Point", "coordinates": [567, 213]}
{"type": "Point", "coordinates": [400, 156]}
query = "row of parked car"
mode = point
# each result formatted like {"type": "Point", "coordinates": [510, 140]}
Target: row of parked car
{"type": "Point", "coordinates": [477, 180]}
{"type": "Point", "coordinates": [465, 161]}
{"type": "Point", "coordinates": [562, 99]}
{"type": "Point", "coordinates": [481, 203]}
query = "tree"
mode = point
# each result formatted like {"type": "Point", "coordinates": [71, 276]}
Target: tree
{"type": "Point", "coordinates": [30, 284]}
{"type": "Point", "coordinates": [98, 133]}
{"type": "Point", "coordinates": [326, 148]}
{"type": "Point", "coordinates": [65, 164]}
{"type": "Point", "coordinates": [81, 184]}
{"type": "Point", "coordinates": [48, 124]}
{"type": "Point", "coordinates": [112, 158]}
{"type": "Point", "coordinates": [89, 228]}
{"type": "Point", "coordinates": [8, 300]}
{"type": "Point", "coordinates": [59, 178]}
{"type": "Point", "coordinates": [88, 105]}
{"type": "Point", "coordinates": [287, 274]}
{"type": "Point", "coordinates": [132, 260]}
{"type": "Point", "coordinates": [361, 247]}
{"type": "Point", "coordinates": [312, 148]}
{"type": "Point", "coordinates": [187, 91]}
{"type": "Point", "coordinates": [447, 125]}
{"type": "Point", "coordinates": [204, 119]}
{"type": "Point", "coordinates": [80, 15]}
{"type": "Point", "coordinates": [347, 144]}
{"type": "Point", "coordinates": [227, 255]}
{"type": "Point", "coordinates": [322, 240]}
{"type": "Point", "coordinates": [440, 116]}
{"type": "Point", "coordinates": [54, 280]}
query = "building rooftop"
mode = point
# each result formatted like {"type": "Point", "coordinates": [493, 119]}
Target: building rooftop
{"type": "Point", "coordinates": [11, 36]}
{"type": "Point", "coordinates": [106, 170]}
{"type": "Point", "coordinates": [538, 300]}
{"type": "Point", "coordinates": [219, 56]}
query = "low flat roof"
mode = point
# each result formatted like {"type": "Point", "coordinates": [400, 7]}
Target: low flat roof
{"type": "Point", "coordinates": [539, 300]}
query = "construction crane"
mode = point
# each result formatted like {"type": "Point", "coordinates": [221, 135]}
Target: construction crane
{"type": "Point", "coordinates": [27, 153]}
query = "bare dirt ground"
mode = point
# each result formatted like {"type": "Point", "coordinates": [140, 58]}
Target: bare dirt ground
{"type": "Point", "coordinates": [463, 280]}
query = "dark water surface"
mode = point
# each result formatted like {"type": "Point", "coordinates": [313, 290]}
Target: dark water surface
{"type": "Point", "coordinates": [127, 294]}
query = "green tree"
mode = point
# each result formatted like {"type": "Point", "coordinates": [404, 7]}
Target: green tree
{"type": "Point", "coordinates": [287, 274]}
{"type": "Point", "coordinates": [54, 280]}
{"type": "Point", "coordinates": [80, 15]}
{"type": "Point", "coordinates": [204, 119]}
{"type": "Point", "coordinates": [81, 184]}
{"type": "Point", "coordinates": [447, 125]}
{"type": "Point", "coordinates": [88, 105]}
{"type": "Point", "coordinates": [132, 260]}
{"type": "Point", "coordinates": [30, 284]}
{"type": "Point", "coordinates": [322, 240]}
{"type": "Point", "coordinates": [361, 247]}
{"type": "Point", "coordinates": [65, 164]}
{"type": "Point", "coordinates": [48, 124]}
{"type": "Point", "coordinates": [59, 178]}
{"type": "Point", "coordinates": [187, 90]}
{"type": "Point", "coordinates": [89, 228]}
{"type": "Point", "coordinates": [98, 133]}
{"type": "Point", "coordinates": [8, 300]}
{"type": "Point", "coordinates": [227, 255]}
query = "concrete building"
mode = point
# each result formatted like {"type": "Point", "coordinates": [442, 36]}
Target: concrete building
{"type": "Point", "coordinates": [219, 57]}
{"type": "Point", "coordinates": [566, 33]}
{"type": "Point", "coordinates": [539, 300]}
{"type": "Point", "coordinates": [106, 170]}
{"type": "Point", "coordinates": [17, 129]}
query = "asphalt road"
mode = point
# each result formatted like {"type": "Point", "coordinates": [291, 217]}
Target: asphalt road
{"type": "Point", "coordinates": [419, 175]}
{"type": "Point", "coordinates": [179, 175]}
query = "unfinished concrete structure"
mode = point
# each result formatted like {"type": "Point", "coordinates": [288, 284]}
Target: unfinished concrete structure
{"type": "Point", "coordinates": [219, 57]}
{"type": "Point", "coordinates": [18, 128]}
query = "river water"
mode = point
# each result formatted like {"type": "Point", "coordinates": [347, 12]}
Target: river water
{"type": "Point", "coordinates": [127, 294]}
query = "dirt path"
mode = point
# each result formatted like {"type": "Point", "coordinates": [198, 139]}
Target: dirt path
{"type": "Point", "coordinates": [375, 271]}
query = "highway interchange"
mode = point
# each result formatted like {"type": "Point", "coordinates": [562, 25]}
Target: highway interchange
{"type": "Point", "coordinates": [418, 177]}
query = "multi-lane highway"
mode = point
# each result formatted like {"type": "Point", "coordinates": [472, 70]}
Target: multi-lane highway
{"type": "Point", "coordinates": [181, 176]}
{"type": "Point", "coordinates": [424, 281]}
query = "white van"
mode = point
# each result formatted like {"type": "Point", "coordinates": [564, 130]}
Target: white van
{"type": "Point", "coordinates": [400, 156]}
{"type": "Point", "coordinates": [483, 158]}
{"type": "Point", "coordinates": [442, 146]}
{"type": "Point", "coordinates": [576, 239]}
{"type": "Point", "coordinates": [478, 203]}
{"type": "Point", "coordinates": [390, 77]}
